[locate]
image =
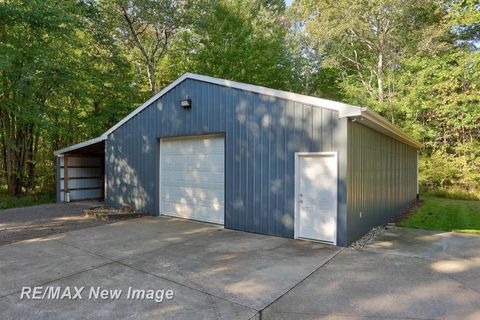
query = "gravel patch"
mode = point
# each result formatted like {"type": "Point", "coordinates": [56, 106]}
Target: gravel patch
{"type": "Point", "coordinates": [107, 213]}
{"type": "Point", "coordinates": [369, 237]}
{"type": "Point", "coordinates": [19, 224]}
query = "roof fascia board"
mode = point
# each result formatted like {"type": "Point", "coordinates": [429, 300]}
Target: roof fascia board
{"type": "Point", "coordinates": [79, 145]}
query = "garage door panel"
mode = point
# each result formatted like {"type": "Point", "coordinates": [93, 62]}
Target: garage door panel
{"type": "Point", "coordinates": [207, 163]}
{"type": "Point", "coordinates": [194, 146]}
{"type": "Point", "coordinates": [193, 168]}
{"type": "Point", "coordinates": [200, 190]}
{"type": "Point", "coordinates": [192, 195]}
{"type": "Point", "coordinates": [192, 178]}
{"type": "Point", "coordinates": [201, 213]}
{"type": "Point", "coordinates": [185, 206]}
{"type": "Point", "coordinates": [195, 178]}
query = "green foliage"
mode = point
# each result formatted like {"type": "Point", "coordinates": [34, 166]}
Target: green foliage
{"type": "Point", "coordinates": [365, 40]}
{"type": "Point", "coordinates": [454, 193]}
{"type": "Point", "coordinates": [8, 201]}
{"type": "Point", "coordinates": [416, 63]}
{"type": "Point", "coordinates": [439, 105]}
{"type": "Point", "coordinates": [37, 41]}
{"type": "Point", "coordinates": [237, 40]}
{"type": "Point", "coordinates": [446, 214]}
{"type": "Point", "coordinates": [71, 69]}
{"type": "Point", "coordinates": [60, 69]}
{"type": "Point", "coordinates": [446, 170]}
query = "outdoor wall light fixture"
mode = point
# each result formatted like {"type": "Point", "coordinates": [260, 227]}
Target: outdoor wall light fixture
{"type": "Point", "coordinates": [186, 103]}
{"type": "Point", "coordinates": [357, 119]}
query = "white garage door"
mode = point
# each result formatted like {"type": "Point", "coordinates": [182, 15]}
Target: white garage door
{"type": "Point", "coordinates": [192, 178]}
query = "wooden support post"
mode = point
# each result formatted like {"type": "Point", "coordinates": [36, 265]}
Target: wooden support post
{"type": "Point", "coordinates": [102, 178]}
{"type": "Point", "coordinates": [65, 176]}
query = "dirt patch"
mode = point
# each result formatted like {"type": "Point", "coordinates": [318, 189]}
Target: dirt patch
{"type": "Point", "coordinates": [407, 212]}
{"type": "Point", "coordinates": [377, 231]}
{"type": "Point", "coordinates": [19, 224]}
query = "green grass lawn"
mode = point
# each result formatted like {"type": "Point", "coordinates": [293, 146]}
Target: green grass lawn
{"type": "Point", "coordinates": [7, 201]}
{"type": "Point", "coordinates": [445, 214]}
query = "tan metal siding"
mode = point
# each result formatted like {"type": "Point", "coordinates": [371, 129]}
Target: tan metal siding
{"type": "Point", "coordinates": [381, 178]}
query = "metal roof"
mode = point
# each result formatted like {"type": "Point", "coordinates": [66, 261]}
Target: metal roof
{"type": "Point", "coordinates": [80, 145]}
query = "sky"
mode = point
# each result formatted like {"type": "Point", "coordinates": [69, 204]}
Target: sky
{"type": "Point", "coordinates": [288, 2]}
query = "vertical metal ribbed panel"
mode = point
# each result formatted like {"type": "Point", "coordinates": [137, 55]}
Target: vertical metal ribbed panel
{"type": "Point", "coordinates": [381, 178]}
{"type": "Point", "coordinates": [262, 134]}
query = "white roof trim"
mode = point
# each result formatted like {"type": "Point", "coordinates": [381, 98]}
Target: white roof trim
{"type": "Point", "coordinates": [79, 145]}
{"type": "Point", "coordinates": [370, 118]}
{"type": "Point", "coordinates": [375, 121]}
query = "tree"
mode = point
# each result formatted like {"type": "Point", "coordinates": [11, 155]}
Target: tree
{"type": "Point", "coordinates": [243, 41]}
{"type": "Point", "coordinates": [36, 39]}
{"type": "Point", "coordinates": [439, 101]}
{"type": "Point", "coordinates": [465, 21]}
{"type": "Point", "coordinates": [147, 26]}
{"type": "Point", "coordinates": [365, 40]}
{"type": "Point", "coordinates": [59, 71]}
{"type": "Point", "coordinates": [416, 62]}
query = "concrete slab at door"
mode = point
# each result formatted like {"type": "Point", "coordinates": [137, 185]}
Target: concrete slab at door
{"type": "Point", "coordinates": [316, 196]}
{"type": "Point", "coordinates": [192, 173]}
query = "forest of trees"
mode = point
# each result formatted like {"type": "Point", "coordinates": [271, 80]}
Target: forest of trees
{"type": "Point", "coordinates": [70, 69]}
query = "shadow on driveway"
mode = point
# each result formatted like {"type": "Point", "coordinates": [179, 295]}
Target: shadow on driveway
{"type": "Point", "coordinates": [225, 274]}
{"type": "Point", "coordinates": [215, 273]}
{"type": "Point", "coordinates": [403, 274]}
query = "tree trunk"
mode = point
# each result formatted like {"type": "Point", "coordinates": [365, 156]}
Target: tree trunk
{"type": "Point", "coordinates": [30, 160]}
{"type": "Point", "coordinates": [17, 148]}
{"type": "Point", "coordinates": [380, 77]}
{"type": "Point", "coordinates": [151, 77]}
{"type": "Point", "coordinates": [149, 59]}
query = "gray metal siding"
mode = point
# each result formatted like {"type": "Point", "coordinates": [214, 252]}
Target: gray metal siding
{"type": "Point", "coordinates": [382, 178]}
{"type": "Point", "coordinates": [261, 136]}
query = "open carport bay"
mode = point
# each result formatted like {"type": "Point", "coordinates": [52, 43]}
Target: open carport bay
{"type": "Point", "coordinates": [225, 274]}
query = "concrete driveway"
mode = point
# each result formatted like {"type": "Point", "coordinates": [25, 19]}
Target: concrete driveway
{"type": "Point", "coordinates": [403, 274]}
{"type": "Point", "coordinates": [224, 274]}
{"type": "Point", "coordinates": [214, 273]}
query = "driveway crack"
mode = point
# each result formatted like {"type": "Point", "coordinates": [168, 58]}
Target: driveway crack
{"type": "Point", "coordinates": [301, 281]}
{"type": "Point", "coordinates": [120, 262]}
{"type": "Point", "coordinates": [61, 278]}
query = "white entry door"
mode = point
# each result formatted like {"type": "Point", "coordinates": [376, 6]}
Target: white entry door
{"type": "Point", "coordinates": [192, 178]}
{"type": "Point", "coordinates": [316, 196]}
